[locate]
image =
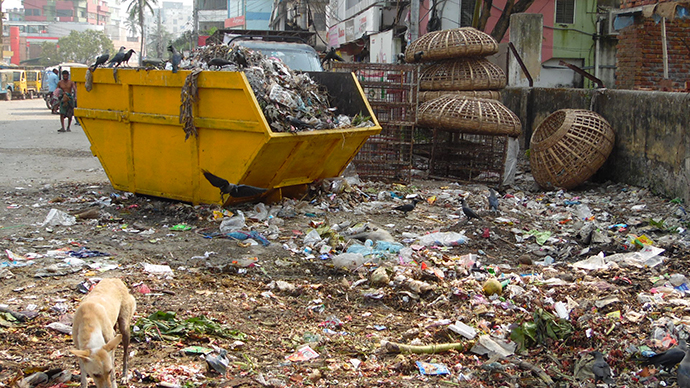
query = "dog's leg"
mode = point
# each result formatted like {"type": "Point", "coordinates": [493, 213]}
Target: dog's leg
{"type": "Point", "coordinates": [82, 374]}
{"type": "Point", "coordinates": [123, 322]}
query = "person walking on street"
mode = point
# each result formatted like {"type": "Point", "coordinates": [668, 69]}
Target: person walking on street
{"type": "Point", "coordinates": [68, 93]}
{"type": "Point", "coordinates": [53, 78]}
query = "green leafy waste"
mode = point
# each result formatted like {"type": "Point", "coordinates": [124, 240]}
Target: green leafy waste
{"type": "Point", "coordinates": [543, 325]}
{"type": "Point", "coordinates": [165, 325]}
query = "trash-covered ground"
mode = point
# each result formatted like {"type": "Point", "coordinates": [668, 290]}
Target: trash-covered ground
{"type": "Point", "coordinates": [277, 296]}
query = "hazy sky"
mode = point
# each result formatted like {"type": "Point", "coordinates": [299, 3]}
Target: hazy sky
{"type": "Point", "coordinates": [9, 4]}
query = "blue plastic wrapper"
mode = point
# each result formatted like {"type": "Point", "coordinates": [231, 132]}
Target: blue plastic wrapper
{"type": "Point", "coordinates": [427, 368]}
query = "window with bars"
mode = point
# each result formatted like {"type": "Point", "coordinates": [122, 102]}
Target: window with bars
{"type": "Point", "coordinates": [565, 11]}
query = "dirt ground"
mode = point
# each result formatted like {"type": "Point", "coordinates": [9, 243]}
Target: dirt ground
{"type": "Point", "coordinates": [261, 304]}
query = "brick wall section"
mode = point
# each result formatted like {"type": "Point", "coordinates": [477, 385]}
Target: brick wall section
{"type": "Point", "coordinates": [639, 53]}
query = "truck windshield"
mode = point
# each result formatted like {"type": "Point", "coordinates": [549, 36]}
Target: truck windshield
{"type": "Point", "coordinates": [298, 57]}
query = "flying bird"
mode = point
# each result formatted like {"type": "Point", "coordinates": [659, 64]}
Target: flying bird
{"type": "Point", "coordinates": [128, 55]}
{"type": "Point", "coordinates": [408, 207]}
{"type": "Point", "coordinates": [218, 62]}
{"type": "Point", "coordinates": [332, 56]}
{"type": "Point", "coordinates": [469, 213]}
{"type": "Point", "coordinates": [176, 58]}
{"type": "Point", "coordinates": [684, 371]}
{"type": "Point", "coordinates": [235, 191]}
{"type": "Point", "coordinates": [117, 59]}
{"type": "Point", "coordinates": [493, 200]}
{"type": "Point", "coordinates": [601, 370]}
{"type": "Point", "coordinates": [100, 60]}
{"type": "Point", "coordinates": [667, 359]}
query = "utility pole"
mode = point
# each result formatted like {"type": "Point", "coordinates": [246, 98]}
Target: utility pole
{"type": "Point", "coordinates": [195, 28]}
{"type": "Point", "coordinates": [2, 46]}
{"type": "Point", "coordinates": [414, 20]}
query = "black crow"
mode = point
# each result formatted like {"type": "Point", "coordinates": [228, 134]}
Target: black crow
{"type": "Point", "coordinates": [235, 191]}
{"type": "Point", "coordinates": [332, 56]}
{"type": "Point", "coordinates": [128, 55]}
{"type": "Point", "coordinates": [408, 207]}
{"type": "Point", "coordinates": [218, 62]}
{"type": "Point", "coordinates": [175, 59]}
{"type": "Point", "coordinates": [469, 213]}
{"type": "Point", "coordinates": [117, 59]}
{"type": "Point", "coordinates": [100, 60]}
{"type": "Point", "coordinates": [684, 371]}
{"type": "Point", "coordinates": [667, 359]}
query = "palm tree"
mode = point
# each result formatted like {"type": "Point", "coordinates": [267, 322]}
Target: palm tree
{"type": "Point", "coordinates": [136, 11]}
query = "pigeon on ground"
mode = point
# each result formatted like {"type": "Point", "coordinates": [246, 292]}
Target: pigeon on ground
{"type": "Point", "coordinates": [235, 191]}
{"type": "Point", "coordinates": [684, 371]}
{"type": "Point", "coordinates": [493, 200]}
{"type": "Point", "coordinates": [469, 213]}
{"type": "Point", "coordinates": [408, 207]}
{"type": "Point", "coordinates": [117, 59]}
{"type": "Point", "coordinates": [100, 60]}
{"type": "Point", "coordinates": [667, 359]}
{"type": "Point", "coordinates": [175, 59]}
{"type": "Point", "coordinates": [601, 370]}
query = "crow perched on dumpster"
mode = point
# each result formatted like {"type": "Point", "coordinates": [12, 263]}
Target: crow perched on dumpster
{"type": "Point", "coordinates": [218, 62]}
{"type": "Point", "coordinates": [235, 191]}
{"type": "Point", "coordinates": [100, 60]}
{"type": "Point", "coordinates": [332, 56]}
{"type": "Point", "coordinates": [408, 207]}
{"type": "Point", "coordinates": [684, 371]}
{"type": "Point", "coordinates": [493, 200]}
{"type": "Point", "coordinates": [128, 55]}
{"type": "Point", "coordinates": [117, 59]}
{"type": "Point", "coordinates": [175, 59]}
{"type": "Point", "coordinates": [667, 359]}
{"type": "Point", "coordinates": [469, 213]}
{"type": "Point", "coordinates": [601, 369]}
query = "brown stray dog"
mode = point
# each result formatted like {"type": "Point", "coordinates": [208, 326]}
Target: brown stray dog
{"type": "Point", "coordinates": [109, 304]}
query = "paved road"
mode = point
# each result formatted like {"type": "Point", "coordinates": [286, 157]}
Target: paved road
{"type": "Point", "coordinates": [32, 152]}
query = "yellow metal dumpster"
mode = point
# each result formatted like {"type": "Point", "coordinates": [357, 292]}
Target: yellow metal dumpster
{"type": "Point", "coordinates": [134, 129]}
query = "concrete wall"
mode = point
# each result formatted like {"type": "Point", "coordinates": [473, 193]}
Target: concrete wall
{"type": "Point", "coordinates": [652, 147]}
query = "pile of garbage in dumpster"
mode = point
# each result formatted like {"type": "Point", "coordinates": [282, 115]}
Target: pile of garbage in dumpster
{"type": "Point", "coordinates": [290, 101]}
{"type": "Point", "coordinates": [342, 289]}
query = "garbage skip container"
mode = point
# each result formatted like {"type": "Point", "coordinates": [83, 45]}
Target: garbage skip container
{"type": "Point", "coordinates": [134, 129]}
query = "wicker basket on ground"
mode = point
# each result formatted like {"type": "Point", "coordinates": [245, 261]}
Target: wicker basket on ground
{"type": "Point", "coordinates": [475, 73]}
{"type": "Point", "coordinates": [453, 43]}
{"type": "Point", "coordinates": [424, 96]}
{"type": "Point", "coordinates": [469, 115]}
{"type": "Point", "coordinates": [568, 147]}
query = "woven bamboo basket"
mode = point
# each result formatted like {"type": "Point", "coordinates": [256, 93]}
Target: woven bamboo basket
{"type": "Point", "coordinates": [453, 43]}
{"type": "Point", "coordinates": [475, 73]}
{"type": "Point", "coordinates": [430, 95]}
{"type": "Point", "coordinates": [469, 115]}
{"type": "Point", "coordinates": [568, 147]}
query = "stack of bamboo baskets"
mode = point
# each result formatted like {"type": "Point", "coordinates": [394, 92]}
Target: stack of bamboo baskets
{"type": "Point", "coordinates": [460, 89]}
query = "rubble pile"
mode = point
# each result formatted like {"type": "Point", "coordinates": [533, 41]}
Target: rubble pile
{"type": "Point", "coordinates": [340, 289]}
{"type": "Point", "coordinates": [291, 101]}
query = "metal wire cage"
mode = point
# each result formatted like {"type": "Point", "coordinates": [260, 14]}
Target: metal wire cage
{"type": "Point", "coordinates": [568, 147]}
{"type": "Point", "coordinates": [452, 43]}
{"type": "Point", "coordinates": [462, 74]}
{"type": "Point", "coordinates": [469, 115]}
{"type": "Point", "coordinates": [391, 90]}
{"type": "Point", "coordinates": [468, 157]}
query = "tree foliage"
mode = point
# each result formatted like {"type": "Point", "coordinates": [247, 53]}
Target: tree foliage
{"type": "Point", "coordinates": [49, 54]}
{"type": "Point", "coordinates": [501, 27]}
{"type": "Point", "coordinates": [159, 38]}
{"type": "Point", "coordinates": [136, 10]}
{"type": "Point", "coordinates": [185, 41]}
{"type": "Point", "coordinates": [83, 47]}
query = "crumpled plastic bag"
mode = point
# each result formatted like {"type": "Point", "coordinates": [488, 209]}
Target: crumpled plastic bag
{"type": "Point", "coordinates": [448, 239]}
{"type": "Point", "coordinates": [233, 224]}
{"type": "Point", "coordinates": [58, 217]}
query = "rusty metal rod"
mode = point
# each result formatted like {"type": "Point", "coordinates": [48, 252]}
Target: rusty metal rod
{"type": "Point", "coordinates": [522, 64]}
{"type": "Point", "coordinates": [585, 74]}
